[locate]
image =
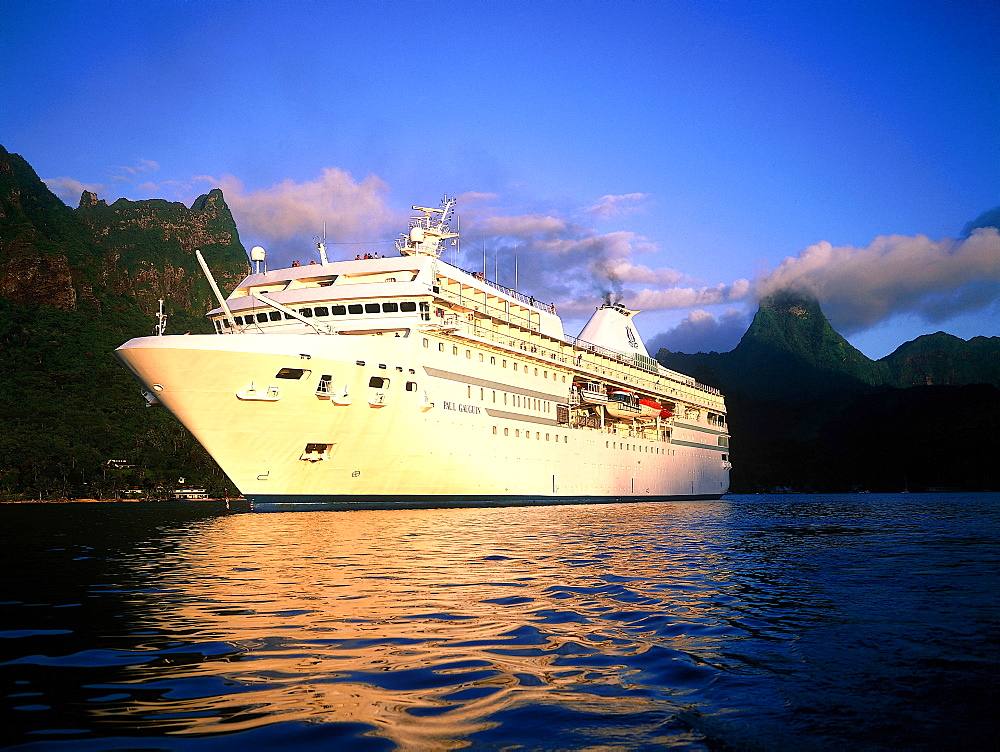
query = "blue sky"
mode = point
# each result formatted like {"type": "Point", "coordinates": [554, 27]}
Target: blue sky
{"type": "Point", "coordinates": [689, 156]}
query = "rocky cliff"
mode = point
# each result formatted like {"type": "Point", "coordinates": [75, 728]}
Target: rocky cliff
{"type": "Point", "coordinates": [126, 253]}
{"type": "Point", "coordinates": [75, 284]}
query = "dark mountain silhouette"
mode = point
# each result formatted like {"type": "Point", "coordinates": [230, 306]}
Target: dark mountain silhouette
{"type": "Point", "coordinates": [809, 411]}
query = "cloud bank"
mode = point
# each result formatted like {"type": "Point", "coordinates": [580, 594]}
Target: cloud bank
{"type": "Point", "coordinates": [895, 275]}
{"type": "Point", "coordinates": [701, 331]}
{"type": "Point", "coordinates": [287, 215]}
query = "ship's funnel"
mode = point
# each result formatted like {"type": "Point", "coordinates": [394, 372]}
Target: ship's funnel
{"type": "Point", "coordinates": [611, 327]}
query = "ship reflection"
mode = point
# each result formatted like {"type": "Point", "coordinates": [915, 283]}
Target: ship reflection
{"type": "Point", "coordinates": [430, 627]}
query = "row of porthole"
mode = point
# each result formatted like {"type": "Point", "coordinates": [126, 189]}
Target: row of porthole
{"type": "Point", "coordinates": [637, 447]}
{"type": "Point", "coordinates": [493, 361]}
{"type": "Point", "coordinates": [516, 400]}
{"type": "Point", "coordinates": [527, 435]}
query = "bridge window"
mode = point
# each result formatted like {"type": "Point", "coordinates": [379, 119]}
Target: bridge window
{"type": "Point", "coordinates": [355, 308]}
{"type": "Point", "coordinates": [338, 310]}
{"type": "Point", "coordinates": [322, 311]}
{"type": "Point", "coordinates": [407, 307]}
{"type": "Point", "coordinates": [274, 315]}
{"type": "Point", "coordinates": [372, 308]}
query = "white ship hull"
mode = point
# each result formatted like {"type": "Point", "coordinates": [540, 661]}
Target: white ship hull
{"type": "Point", "coordinates": [404, 452]}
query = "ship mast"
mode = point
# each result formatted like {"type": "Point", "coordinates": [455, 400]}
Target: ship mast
{"type": "Point", "coordinates": [428, 231]}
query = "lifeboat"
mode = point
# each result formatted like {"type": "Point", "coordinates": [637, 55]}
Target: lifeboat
{"type": "Point", "coordinates": [649, 408]}
{"type": "Point", "coordinates": [592, 394]}
{"type": "Point", "coordinates": [623, 406]}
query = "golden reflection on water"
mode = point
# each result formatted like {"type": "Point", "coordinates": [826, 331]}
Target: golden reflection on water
{"type": "Point", "coordinates": [426, 624]}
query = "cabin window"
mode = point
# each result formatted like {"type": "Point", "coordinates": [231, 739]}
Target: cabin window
{"type": "Point", "coordinates": [307, 312]}
{"type": "Point", "coordinates": [468, 354]}
{"type": "Point", "coordinates": [411, 386]}
{"type": "Point", "coordinates": [454, 350]}
{"type": "Point", "coordinates": [440, 346]}
{"type": "Point", "coordinates": [291, 373]}
{"type": "Point", "coordinates": [289, 316]}
{"type": "Point", "coordinates": [322, 311]}
{"type": "Point", "coordinates": [338, 310]}
{"type": "Point", "coordinates": [355, 308]}
{"type": "Point", "coordinates": [372, 308]}
{"type": "Point", "coordinates": [506, 432]}
{"type": "Point", "coordinates": [515, 366]}
{"type": "Point", "coordinates": [408, 307]}
{"type": "Point", "coordinates": [390, 307]}
{"type": "Point", "coordinates": [493, 361]}
{"type": "Point", "coordinates": [517, 433]}
{"type": "Point", "coordinates": [262, 317]}
{"type": "Point", "coordinates": [238, 320]}
{"type": "Point", "coordinates": [426, 342]}
{"type": "Point", "coordinates": [274, 315]}
{"type": "Point", "coordinates": [536, 372]}
{"type": "Point", "coordinates": [378, 382]}
{"type": "Point", "coordinates": [494, 430]}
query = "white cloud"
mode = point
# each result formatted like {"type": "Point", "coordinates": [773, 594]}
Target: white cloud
{"type": "Point", "coordinates": [70, 189]}
{"type": "Point", "coordinates": [701, 331]}
{"type": "Point", "coordinates": [895, 274]}
{"type": "Point", "coordinates": [285, 216]}
{"type": "Point", "coordinates": [607, 207]}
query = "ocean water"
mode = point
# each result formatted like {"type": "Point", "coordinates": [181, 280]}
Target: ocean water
{"type": "Point", "coordinates": [862, 622]}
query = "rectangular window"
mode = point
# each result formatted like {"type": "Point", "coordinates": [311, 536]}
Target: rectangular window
{"type": "Point", "coordinates": [338, 310]}
{"type": "Point", "coordinates": [425, 311]}
{"type": "Point", "coordinates": [390, 307]}
{"type": "Point", "coordinates": [378, 382]}
{"type": "Point", "coordinates": [288, 316]}
{"type": "Point", "coordinates": [238, 320]}
{"type": "Point", "coordinates": [307, 312]}
{"type": "Point", "coordinates": [408, 307]}
{"type": "Point", "coordinates": [372, 308]}
{"type": "Point", "coordinates": [274, 315]}
{"type": "Point", "coordinates": [426, 342]}
{"type": "Point", "coordinates": [291, 373]}
{"type": "Point", "coordinates": [355, 308]}
{"type": "Point", "coordinates": [411, 386]}
{"type": "Point", "coordinates": [322, 311]}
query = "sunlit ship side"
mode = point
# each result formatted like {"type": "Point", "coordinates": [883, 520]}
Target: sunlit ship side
{"type": "Point", "coordinates": [406, 381]}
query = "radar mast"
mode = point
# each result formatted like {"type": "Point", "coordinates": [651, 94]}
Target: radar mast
{"type": "Point", "coordinates": [428, 231]}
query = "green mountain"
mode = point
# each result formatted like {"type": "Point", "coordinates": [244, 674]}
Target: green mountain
{"type": "Point", "coordinates": [790, 351]}
{"type": "Point", "coordinates": [943, 359]}
{"type": "Point", "coordinates": [75, 284]}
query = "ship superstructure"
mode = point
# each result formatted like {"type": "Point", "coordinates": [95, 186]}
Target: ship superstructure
{"type": "Point", "coordinates": [407, 381]}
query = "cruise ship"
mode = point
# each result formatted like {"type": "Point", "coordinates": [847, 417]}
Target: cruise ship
{"type": "Point", "coordinates": [406, 381]}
